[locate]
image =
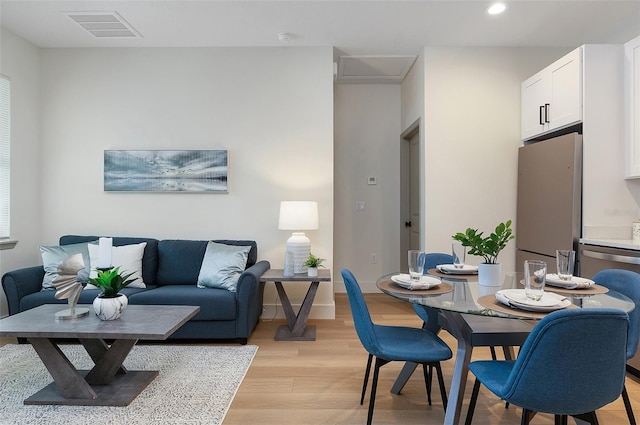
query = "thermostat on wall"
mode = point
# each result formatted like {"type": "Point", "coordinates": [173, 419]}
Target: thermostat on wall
{"type": "Point", "coordinates": [371, 180]}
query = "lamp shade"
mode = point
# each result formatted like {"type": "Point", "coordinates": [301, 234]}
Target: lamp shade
{"type": "Point", "coordinates": [298, 215]}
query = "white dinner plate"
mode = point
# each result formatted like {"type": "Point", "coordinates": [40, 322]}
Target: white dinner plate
{"type": "Point", "coordinates": [426, 282]}
{"type": "Point", "coordinates": [450, 269]}
{"type": "Point", "coordinates": [517, 298]}
{"type": "Point", "coordinates": [575, 282]}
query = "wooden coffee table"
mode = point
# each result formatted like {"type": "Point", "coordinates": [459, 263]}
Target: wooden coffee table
{"type": "Point", "coordinates": [108, 383]}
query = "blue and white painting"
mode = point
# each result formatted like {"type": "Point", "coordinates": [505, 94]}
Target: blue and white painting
{"type": "Point", "coordinates": [166, 171]}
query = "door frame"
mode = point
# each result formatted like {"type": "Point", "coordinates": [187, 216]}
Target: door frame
{"type": "Point", "coordinates": [405, 200]}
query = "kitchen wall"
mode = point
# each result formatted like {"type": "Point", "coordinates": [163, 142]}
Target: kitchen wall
{"type": "Point", "coordinates": [20, 61]}
{"type": "Point", "coordinates": [272, 108]}
{"type": "Point", "coordinates": [470, 133]}
{"type": "Point", "coordinates": [610, 203]}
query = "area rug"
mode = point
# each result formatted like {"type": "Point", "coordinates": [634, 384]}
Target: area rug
{"type": "Point", "coordinates": [196, 385]}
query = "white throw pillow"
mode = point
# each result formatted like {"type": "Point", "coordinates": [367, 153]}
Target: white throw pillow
{"type": "Point", "coordinates": [222, 265]}
{"type": "Point", "coordinates": [127, 257]}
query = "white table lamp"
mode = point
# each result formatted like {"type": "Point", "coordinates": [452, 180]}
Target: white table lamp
{"type": "Point", "coordinates": [297, 216]}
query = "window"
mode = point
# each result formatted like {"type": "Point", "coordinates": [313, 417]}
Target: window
{"type": "Point", "coordinates": [5, 122]}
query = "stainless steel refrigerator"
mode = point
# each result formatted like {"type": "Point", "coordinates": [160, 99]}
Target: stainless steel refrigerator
{"type": "Point", "coordinates": [549, 199]}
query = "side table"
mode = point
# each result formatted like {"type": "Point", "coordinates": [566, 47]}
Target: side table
{"type": "Point", "coordinates": [296, 328]}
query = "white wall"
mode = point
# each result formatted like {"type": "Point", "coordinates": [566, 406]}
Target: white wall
{"type": "Point", "coordinates": [272, 108]}
{"type": "Point", "coordinates": [471, 128]}
{"type": "Point", "coordinates": [367, 144]}
{"type": "Point", "coordinates": [20, 61]}
{"type": "Point", "coordinates": [610, 203]}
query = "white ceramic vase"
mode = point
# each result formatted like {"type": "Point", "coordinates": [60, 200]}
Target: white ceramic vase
{"type": "Point", "coordinates": [312, 271]}
{"type": "Point", "coordinates": [110, 308]}
{"type": "Point", "coordinates": [490, 274]}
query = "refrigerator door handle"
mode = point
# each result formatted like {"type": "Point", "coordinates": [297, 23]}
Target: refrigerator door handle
{"type": "Point", "coordinates": [611, 257]}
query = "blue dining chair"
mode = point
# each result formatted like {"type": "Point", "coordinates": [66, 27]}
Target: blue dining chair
{"type": "Point", "coordinates": [429, 316]}
{"type": "Point", "coordinates": [627, 283]}
{"type": "Point", "coordinates": [572, 364]}
{"type": "Point", "coordinates": [392, 343]}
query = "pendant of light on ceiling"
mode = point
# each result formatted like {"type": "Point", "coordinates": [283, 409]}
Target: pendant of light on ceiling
{"type": "Point", "coordinates": [496, 8]}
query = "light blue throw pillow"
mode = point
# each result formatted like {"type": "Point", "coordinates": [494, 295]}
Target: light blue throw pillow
{"type": "Point", "coordinates": [52, 256]}
{"type": "Point", "coordinates": [222, 266]}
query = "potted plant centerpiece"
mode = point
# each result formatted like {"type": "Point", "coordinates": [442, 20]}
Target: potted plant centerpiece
{"type": "Point", "coordinates": [110, 304]}
{"type": "Point", "coordinates": [490, 271]}
{"type": "Point", "coordinates": [312, 265]}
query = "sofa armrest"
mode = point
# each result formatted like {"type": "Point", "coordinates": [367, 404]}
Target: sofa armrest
{"type": "Point", "coordinates": [249, 296]}
{"type": "Point", "coordinates": [20, 283]}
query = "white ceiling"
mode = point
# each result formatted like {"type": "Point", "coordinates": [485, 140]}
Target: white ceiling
{"type": "Point", "coordinates": [356, 27]}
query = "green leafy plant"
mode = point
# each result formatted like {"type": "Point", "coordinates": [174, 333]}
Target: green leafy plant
{"type": "Point", "coordinates": [487, 247]}
{"type": "Point", "coordinates": [111, 281]}
{"type": "Point", "coordinates": [314, 261]}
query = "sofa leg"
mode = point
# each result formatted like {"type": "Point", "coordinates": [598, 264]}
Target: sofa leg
{"type": "Point", "coordinates": [242, 341]}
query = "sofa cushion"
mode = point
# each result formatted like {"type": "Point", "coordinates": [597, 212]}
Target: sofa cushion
{"type": "Point", "coordinates": [179, 261]}
{"type": "Point", "coordinates": [222, 266]}
{"type": "Point", "coordinates": [86, 297]}
{"type": "Point", "coordinates": [52, 256]}
{"type": "Point", "coordinates": [215, 304]}
{"type": "Point", "coordinates": [149, 259]}
{"type": "Point", "coordinates": [127, 257]}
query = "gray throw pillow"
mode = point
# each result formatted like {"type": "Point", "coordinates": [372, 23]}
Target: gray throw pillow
{"type": "Point", "coordinates": [222, 265]}
{"type": "Point", "coordinates": [52, 256]}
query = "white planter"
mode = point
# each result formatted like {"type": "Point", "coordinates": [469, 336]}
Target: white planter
{"type": "Point", "coordinates": [312, 271]}
{"type": "Point", "coordinates": [110, 308]}
{"type": "Point", "coordinates": [490, 274]}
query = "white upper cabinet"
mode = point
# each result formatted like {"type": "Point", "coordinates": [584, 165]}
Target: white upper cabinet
{"type": "Point", "coordinates": [552, 98]}
{"type": "Point", "coordinates": [632, 108]}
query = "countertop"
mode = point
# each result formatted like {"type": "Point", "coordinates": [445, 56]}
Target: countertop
{"type": "Point", "coordinates": [612, 243]}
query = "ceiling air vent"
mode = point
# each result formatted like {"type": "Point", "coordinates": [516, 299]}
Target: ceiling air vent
{"type": "Point", "coordinates": [104, 24]}
{"type": "Point", "coordinates": [374, 68]}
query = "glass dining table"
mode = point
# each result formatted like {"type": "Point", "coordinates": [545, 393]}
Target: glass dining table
{"type": "Point", "coordinates": [474, 317]}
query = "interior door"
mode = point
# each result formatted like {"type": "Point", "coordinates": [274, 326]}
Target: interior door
{"type": "Point", "coordinates": [409, 193]}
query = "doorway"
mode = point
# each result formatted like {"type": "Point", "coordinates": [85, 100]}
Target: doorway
{"type": "Point", "coordinates": [410, 201]}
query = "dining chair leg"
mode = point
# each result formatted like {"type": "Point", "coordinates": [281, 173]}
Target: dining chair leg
{"type": "Point", "coordinates": [588, 417]}
{"type": "Point", "coordinates": [472, 402]}
{"type": "Point", "coordinates": [443, 390]}
{"type": "Point", "coordinates": [560, 420]}
{"type": "Point", "coordinates": [374, 385]}
{"type": "Point", "coordinates": [366, 379]}
{"type": "Point", "coordinates": [427, 381]}
{"type": "Point", "coordinates": [527, 415]}
{"type": "Point", "coordinates": [627, 406]}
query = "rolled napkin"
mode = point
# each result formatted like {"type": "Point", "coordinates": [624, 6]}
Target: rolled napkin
{"type": "Point", "coordinates": [425, 282]}
{"type": "Point", "coordinates": [575, 283]}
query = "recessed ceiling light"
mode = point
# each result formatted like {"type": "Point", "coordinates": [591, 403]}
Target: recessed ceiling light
{"type": "Point", "coordinates": [496, 8]}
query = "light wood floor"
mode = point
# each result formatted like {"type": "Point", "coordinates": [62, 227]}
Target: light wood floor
{"type": "Point", "coordinates": [319, 382]}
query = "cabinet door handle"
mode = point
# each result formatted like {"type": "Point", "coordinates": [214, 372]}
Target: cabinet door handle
{"type": "Point", "coordinates": [546, 112]}
{"type": "Point", "coordinates": [540, 115]}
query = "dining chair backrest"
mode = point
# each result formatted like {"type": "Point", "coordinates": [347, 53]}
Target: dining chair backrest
{"type": "Point", "coordinates": [572, 362]}
{"type": "Point", "coordinates": [433, 259]}
{"type": "Point", "coordinates": [627, 283]}
{"type": "Point", "coordinates": [430, 315]}
{"type": "Point", "coordinates": [361, 316]}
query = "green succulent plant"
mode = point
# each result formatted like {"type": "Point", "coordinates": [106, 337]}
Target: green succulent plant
{"type": "Point", "coordinates": [314, 261]}
{"type": "Point", "coordinates": [111, 281]}
{"type": "Point", "coordinates": [487, 247]}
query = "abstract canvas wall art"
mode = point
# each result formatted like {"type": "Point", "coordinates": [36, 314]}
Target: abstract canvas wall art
{"type": "Point", "coordinates": [166, 170]}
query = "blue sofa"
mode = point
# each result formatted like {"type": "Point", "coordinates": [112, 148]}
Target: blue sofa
{"type": "Point", "coordinates": [170, 270]}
